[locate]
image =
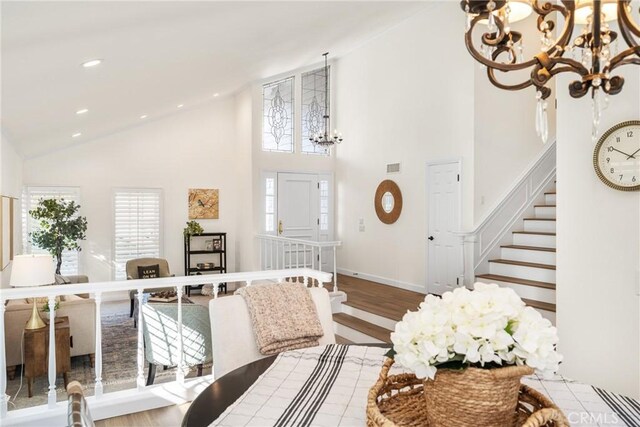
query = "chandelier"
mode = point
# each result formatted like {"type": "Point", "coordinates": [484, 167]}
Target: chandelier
{"type": "Point", "coordinates": [324, 138]}
{"type": "Point", "coordinates": [593, 55]}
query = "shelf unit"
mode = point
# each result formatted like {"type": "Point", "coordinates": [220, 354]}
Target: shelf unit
{"type": "Point", "coordinates": [217, 256]}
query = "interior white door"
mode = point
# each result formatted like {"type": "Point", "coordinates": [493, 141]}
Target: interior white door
{"type": "Point", "coordinates": [444, 251]}
{"type": "Point", "coordinates": [298, 212]}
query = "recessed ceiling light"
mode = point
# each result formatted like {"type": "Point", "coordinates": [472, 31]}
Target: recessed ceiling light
{"type": "Point", "coordinates": [144, 116]}
{"type": "Point", "coordinates": [75, 135]}
{"type": "Point", "coordinates": [92, 63]}
{"type": "Point", "coordinates": [215, 95]}
{"type": "Point", "coordinates": [180, 105]}
{"type": "Point", "coordinates": [82, 111]}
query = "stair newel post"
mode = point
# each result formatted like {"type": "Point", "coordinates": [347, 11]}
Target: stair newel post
{"type": "Point", "coordinates": [335, 269]}
{"type": "Point", "coordinates": [180, 370]}
{"type": "Point", "coordinates": [52, 352]}
{"type": "Point", "coordinates": [4, 399]}
{"type": "Point", "coordinates": [140, 378]}
{"type": "Point", "coordinates": [98, 359]}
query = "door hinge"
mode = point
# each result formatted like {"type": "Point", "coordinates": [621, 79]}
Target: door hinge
{"type": "Point", "coordinates": [457, 281]}
{"type": "Point", "coordinates": [318, 221]}
{"type": "Point", "coordinates": [318, 184]}
{"type": "Point", "coordinates": [458, 177]}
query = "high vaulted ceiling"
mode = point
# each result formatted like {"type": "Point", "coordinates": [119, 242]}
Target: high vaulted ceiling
{"type": "Point", "coordinates": [158, 55]}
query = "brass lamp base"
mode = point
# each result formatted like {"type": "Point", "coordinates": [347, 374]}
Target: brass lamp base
{"type": "Point", "coordinates": [35, 322]}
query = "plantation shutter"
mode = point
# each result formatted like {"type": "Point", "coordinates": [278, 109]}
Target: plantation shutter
{"type": "Point", "coordinates": [137, 216]}
{"type": "Point", "coordinates": [30, 198]}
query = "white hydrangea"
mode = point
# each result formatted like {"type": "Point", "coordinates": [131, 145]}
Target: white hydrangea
{"type": "Point", "coordinates": [487, 325]}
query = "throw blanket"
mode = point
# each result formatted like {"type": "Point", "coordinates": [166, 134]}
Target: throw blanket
{"type": "Point", "coordinates": [283, 315]}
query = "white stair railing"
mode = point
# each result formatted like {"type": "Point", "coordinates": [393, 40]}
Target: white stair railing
{"type": "Point", "coordinates": [97, 290]}
{"type": "Point", "coordinates": [277, 252]}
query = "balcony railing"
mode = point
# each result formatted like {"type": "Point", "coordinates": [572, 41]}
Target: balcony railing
{"type": "Point", "coordinates": [145, 397]}
{"type": "Point", "coordinates": [282, 253]}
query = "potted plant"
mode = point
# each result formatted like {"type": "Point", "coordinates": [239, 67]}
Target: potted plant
{"type": "Point", "coordinates": [46, 310]}
{"type": "Point", "coordinates": [192, 228]}
{"type": "Point", "coordinates": [472, 348]}
{"type": "Point", "coordinates": [60, 227]}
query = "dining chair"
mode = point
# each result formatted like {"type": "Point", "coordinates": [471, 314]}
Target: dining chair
{"type": "Point", "coordinates": [232, 335]}
{"type": "Point", "coordinates": [132, 273]}
{"type": "Point", "coordinates": [78, 414]}
{"type": "Point", "coordinates": [160, 333]}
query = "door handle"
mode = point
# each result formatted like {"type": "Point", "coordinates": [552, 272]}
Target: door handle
{"type": "Point", "coordinates": [430, 237]}
{"type": "Point", "coordinates": [280, 228]}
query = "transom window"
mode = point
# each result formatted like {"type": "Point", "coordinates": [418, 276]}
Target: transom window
{"type": "Point", "coordinates": [278, 115]}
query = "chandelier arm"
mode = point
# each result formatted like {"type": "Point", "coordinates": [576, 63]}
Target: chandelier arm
{"type": "Point", "coordinates": [628, 28]}
{"type": "Point", "coordinates": [493, 79]}
{"type": "Point", "coordinates": [482, 59]}
{"type": "Point", "coordinates": [621, 58]}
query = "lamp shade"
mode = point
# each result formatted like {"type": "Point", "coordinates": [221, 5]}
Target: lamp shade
{"type": "Point", "coordinates": [32, 270]}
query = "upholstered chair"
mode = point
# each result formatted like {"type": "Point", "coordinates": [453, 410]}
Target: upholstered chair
{"type": "Point", "coordinates": [160, 332]}
{"type": "Point", "coordinates": [234, 343]}
{"type": "Point", "coordinates": [132, 273]}
{"type": "Point", "coordinates": [78, 414]}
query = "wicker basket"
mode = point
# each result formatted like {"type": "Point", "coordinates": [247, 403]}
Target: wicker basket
{"type": "Point", "coordinates": [399, 400]}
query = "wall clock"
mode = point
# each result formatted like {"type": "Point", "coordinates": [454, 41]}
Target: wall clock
{"type": "Point", "coordinates": [616, 157]}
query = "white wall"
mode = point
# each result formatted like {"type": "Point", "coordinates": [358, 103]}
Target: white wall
{"type": "Point", "coordinates": [504, 128]}
{"type": "Point", "coordinates": [401, 99]}
{"type": "Point", "coordinates": [192, 149]}
{"type": "Point", "coordinates": [598, 265]}
{"type": "Point", "coordinates": [11, 165]}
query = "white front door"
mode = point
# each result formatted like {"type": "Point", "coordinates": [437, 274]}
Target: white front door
{"type": "Point", "coordinates": [444, 251]}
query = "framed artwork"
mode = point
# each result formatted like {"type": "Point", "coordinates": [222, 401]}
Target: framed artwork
{"type": "Point", "coordinates": [203, 203]}
{"type": "Point", "coordinates": [217, 244]}
{"type": "Point", "coordinates": [208, 245]}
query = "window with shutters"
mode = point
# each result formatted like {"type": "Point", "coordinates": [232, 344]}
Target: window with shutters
{"type": "Point", "coordinates": [137, 226]}
{"type": "Point", "coordinates": [31, 196]}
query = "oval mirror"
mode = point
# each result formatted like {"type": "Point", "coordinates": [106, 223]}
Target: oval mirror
{"type": "Point", "coordinates": [388, 201]}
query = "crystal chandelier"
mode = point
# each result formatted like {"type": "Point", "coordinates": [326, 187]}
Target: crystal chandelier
{"type": "Point", "coordinates": [324, 138]}
{"type": "Point", "coordinates": [593, 54]}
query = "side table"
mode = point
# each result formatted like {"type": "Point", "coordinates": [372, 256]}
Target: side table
{"type": "Point", "coordinates": [36, 351]}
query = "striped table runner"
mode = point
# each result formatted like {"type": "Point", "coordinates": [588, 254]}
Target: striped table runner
{"type": "Point", "coordinates": [328, 386]}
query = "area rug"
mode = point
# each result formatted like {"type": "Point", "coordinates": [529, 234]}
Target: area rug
{"type": "Point", "coordinates": [119, 362]}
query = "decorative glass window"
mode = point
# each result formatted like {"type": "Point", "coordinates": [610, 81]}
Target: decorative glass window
{"type": "Point", "coordinates": [324, 205]}
{"type": "Point", "coordinates": [270, 205]}
{"type": "Point", "coordinates": [137, 226]}
{"type": "Point", "coordinates": [314, 99]}
{"type": "Point", "coordinates": [278, 116]}
{"type": "Point", "coordinates": [31, 196]}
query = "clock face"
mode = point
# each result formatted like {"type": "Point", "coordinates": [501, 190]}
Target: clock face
{"type": "Point", "coordinates": [617, 156]}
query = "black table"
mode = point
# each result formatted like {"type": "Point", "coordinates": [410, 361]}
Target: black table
{"type": "Point", "coordinates": [217, 397]}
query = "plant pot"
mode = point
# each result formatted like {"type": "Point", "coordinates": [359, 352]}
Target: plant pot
{"type": "Point", "coordinates": [474, 397]}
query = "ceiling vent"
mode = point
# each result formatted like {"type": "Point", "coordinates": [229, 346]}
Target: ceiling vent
{"type": "Point", "coordinates": [393, 168]}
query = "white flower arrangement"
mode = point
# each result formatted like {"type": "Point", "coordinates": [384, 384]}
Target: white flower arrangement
{"type": "Point", "coordinates": [487, 327]}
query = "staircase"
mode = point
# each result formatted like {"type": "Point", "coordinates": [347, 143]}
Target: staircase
{"type": "Point", "coordinates": [528, 264]}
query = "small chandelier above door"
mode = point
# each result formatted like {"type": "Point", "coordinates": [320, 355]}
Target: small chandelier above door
{"type": "Point", "coordinates": [324, 138]}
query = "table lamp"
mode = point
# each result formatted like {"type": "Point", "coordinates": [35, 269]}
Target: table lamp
{"type": "Point", "coordinates": [32, 270]}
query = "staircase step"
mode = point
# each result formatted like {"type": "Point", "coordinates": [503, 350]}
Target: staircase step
{"type": "Point", "coordinates": [524, 264]}
{"type": "Point", "coordinates": [550, 192]}
{"type": "Point", "coordinates": [523, 270]}
{"type": "Point", "coordinates": [538, 233]}
{"type": "Point", "coordinates": [342, 340]}
{"type": "Point", "coordinates": [539, 219]}
{"type": "Point", "coordinates": [540, 305]}
{"type": "Point", "coordinates": [363, 327]}
{"type": "Point", "coordinates": [550, 198]}
{"type": "Point", "coordinates": [542, 225]}
{"type": "Point", "coordinates": [509, 279]}
{"type": "Point", "coordinates": [529, 248]}
{"type": "Point", "coordinates": [544, 206]}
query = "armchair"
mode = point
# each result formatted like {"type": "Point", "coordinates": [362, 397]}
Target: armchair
{"type": "Point", "coordinates": [132, 273]}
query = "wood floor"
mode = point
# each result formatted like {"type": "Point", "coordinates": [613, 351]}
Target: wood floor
{"type": "Point", "coordinates": [383, 300]}
{"type": "Point", "coordinates": [169, 416]}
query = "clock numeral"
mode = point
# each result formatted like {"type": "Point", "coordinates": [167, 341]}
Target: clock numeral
{"type": "Point", "coordinates": [630, 134]}
{"type": "Point", "coordinates": [610, 149]}
{"type": "Point", "coordinates": [612, 170]}
{"type": "Point", "coordinates": [620, 177]}
{"type": "Point", "coordinates": [617, 139]}
{"type": "Point", "coordinates": [633, 179]}
{"type": "Point", "coordinates": [608, 159]}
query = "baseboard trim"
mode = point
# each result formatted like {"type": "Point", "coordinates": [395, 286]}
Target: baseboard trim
{"type": "Point", "coordinates": [383, 280]}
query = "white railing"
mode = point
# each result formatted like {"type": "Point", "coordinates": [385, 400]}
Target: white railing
{"type": "Point", "coordinates": [483, 242]}
{"type": "Point", "coordinates": [284, 253]}
{"type": "Point", "coordinates": [97, 290]}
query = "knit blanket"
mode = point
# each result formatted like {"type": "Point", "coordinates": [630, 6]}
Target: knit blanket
{"type": "Point", "coordinates": [283, 316]}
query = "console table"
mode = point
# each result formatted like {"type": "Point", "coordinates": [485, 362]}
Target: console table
{"type": "Point", "coordinates": [36, 351]}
